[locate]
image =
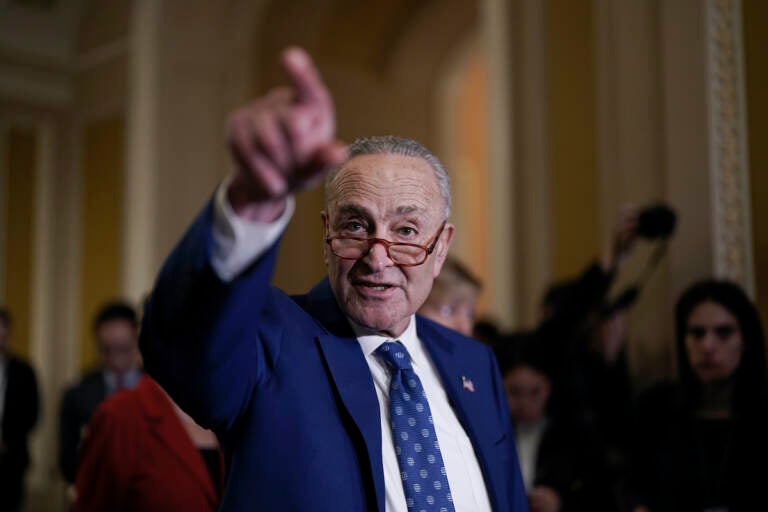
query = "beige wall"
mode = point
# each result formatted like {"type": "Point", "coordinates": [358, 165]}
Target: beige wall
{"type": "Point", "coordinates": [755, 16]}
{"type": "Point", "coordinates": [19, 206]}
{"type": "Point", "coordinates": [102, 221]}
{"type": "Point", "coordinates": [35, 264]}
{"type": "Point", "coordinates": [575, 188]}
{"type": "Point", "coordinates": [99, 104]}
{"type": "Point", "coordinates": [470, 174]}
{"type": "Point", "coordinates": [199, 68]}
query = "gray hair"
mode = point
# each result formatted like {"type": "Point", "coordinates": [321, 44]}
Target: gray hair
{"type": "Point", "coordinates": [393, 145]}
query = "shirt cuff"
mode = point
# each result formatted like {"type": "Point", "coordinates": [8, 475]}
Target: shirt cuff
{"type": "Point", "coordinates": [237, 242]}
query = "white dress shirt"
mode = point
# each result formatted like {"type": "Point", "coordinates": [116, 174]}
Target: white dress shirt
{"type": "Point", "coordinates": [237, 243]}
{"type": "Point", "coordinates": [128, 380]}
{"type": "Point", "coordinates": [528, 439]}
{"type": "Point", "coordinates": [462, 469]}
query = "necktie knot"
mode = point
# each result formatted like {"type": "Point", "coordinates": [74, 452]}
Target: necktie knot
{"type": "Point", "coordinates": [394, 355]}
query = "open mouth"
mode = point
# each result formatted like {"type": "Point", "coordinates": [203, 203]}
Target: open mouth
{"type": "Point", "coordinates": [378, 286]}
{"type": "Point", "coordinates": [372, 286]}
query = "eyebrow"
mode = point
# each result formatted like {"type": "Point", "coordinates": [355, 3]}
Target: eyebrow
{"type": "Point", "coordinates": [407, 210]}
{"type": "Point", "coordinates": [353, 209]}
{"type": "Point", "coordinates": [716, 326]}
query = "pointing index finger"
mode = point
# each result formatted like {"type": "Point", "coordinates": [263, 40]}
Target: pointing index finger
{"type": "Point", "coordinates": [304, 76]}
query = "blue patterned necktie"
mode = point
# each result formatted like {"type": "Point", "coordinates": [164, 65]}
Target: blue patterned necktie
{"type": "Point", "coordinates": [418, 454]}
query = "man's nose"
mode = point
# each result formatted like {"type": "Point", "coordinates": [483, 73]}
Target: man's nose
{"type": "Point", "coordinates": [377, 257]}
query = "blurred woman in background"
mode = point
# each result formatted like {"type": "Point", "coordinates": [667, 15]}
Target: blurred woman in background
{"type": "Point", "coordinates": [700, 442]}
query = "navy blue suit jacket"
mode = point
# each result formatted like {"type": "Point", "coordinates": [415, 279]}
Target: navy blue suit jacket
{"type": "Point", "coordinates": [283, 381]}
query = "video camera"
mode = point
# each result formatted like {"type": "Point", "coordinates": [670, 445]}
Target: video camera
{"type": "Point", "coordinates": [655, 222]}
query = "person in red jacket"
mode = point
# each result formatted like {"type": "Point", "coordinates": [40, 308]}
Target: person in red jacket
{"type": "Point", "coordinates": [141, 452]}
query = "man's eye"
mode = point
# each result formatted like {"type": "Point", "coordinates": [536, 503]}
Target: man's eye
{"type": "Point", "coordinates": [353, 227]}
{"type": "Point", "coordinates": [407, 231]}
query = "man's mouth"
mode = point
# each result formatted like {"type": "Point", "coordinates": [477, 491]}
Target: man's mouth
{"type": "Point", "coordinates": [370, 285]}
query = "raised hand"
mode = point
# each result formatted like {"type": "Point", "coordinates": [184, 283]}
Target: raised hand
{"type": "Point", "coordinates": [283, 142]}
{"type": "Point", "coordinates": [624, 237]}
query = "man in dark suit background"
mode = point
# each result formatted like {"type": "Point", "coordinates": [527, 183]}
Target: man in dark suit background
{"type": "Point", "coordinates": [115, 328]}
{"type": "Point", "coordinates": [314, 395]}
{"type": "Point", "coordinates": [19, 408]}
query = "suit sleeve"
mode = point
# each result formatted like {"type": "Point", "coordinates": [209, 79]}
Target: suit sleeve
{"type": "Point", "coordinates": [202, 338]}
{"type": "Point", "coordinates": [104, 470]}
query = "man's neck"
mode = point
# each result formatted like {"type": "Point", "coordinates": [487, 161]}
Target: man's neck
{"type": "Point", "coordinates": [361, 330]}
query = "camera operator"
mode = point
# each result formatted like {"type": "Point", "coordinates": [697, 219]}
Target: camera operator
{"type": "Point", "coordinates": [584, 334]}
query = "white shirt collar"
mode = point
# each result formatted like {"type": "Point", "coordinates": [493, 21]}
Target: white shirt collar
{"type": "Point", "coordinates": [370, 341]}
{"type": "Point", "coordinates": [131, 379]}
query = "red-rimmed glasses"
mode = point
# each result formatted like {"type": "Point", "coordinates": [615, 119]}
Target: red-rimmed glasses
{"type": "Point", "coordinates": [401, 253]}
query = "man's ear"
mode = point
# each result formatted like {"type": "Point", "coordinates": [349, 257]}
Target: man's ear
{"type": "Point", "coordinates": [443, 244]}
{"type": "Point", "coordinates": [326, 232]}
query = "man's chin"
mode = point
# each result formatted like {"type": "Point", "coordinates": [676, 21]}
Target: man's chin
{"type": "Point", "coordinates": [374, 321]}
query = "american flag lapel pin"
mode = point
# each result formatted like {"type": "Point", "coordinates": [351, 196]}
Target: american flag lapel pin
{"type": "Point", "coordinates": [467, 384]}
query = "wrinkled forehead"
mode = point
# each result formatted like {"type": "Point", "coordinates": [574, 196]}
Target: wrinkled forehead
{"type": "Point", "coordinates": [385, 186]}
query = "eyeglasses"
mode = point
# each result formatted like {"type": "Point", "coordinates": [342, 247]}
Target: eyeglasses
{"type": "Point", "coordinates": [401, 253]}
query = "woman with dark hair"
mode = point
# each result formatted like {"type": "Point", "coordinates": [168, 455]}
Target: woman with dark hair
{"type": "Point", "coordinates": [701, 442]}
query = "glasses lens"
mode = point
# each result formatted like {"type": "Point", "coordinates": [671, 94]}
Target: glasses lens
{"type": "Point", "coordinates": [406, 254]}
{"type": "Point", "coordinates": [348, 247]}
{"type": "Point", "coordinates": [352, 248]}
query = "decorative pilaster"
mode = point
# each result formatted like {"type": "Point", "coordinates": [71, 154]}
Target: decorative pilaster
{"type": "Point", "coordinates": [729, 165]}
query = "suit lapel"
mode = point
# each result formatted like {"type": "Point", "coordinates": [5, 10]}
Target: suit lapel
{"type": "Point", "coordinates": [464, 383]}
{"type": "Point", "coordinates": [351, 376]}
{"type": "Point", "coordinates": [166, 427]}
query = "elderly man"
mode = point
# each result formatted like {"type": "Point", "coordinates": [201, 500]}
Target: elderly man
{"type": "Point", "coordinates": [341, 399]}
